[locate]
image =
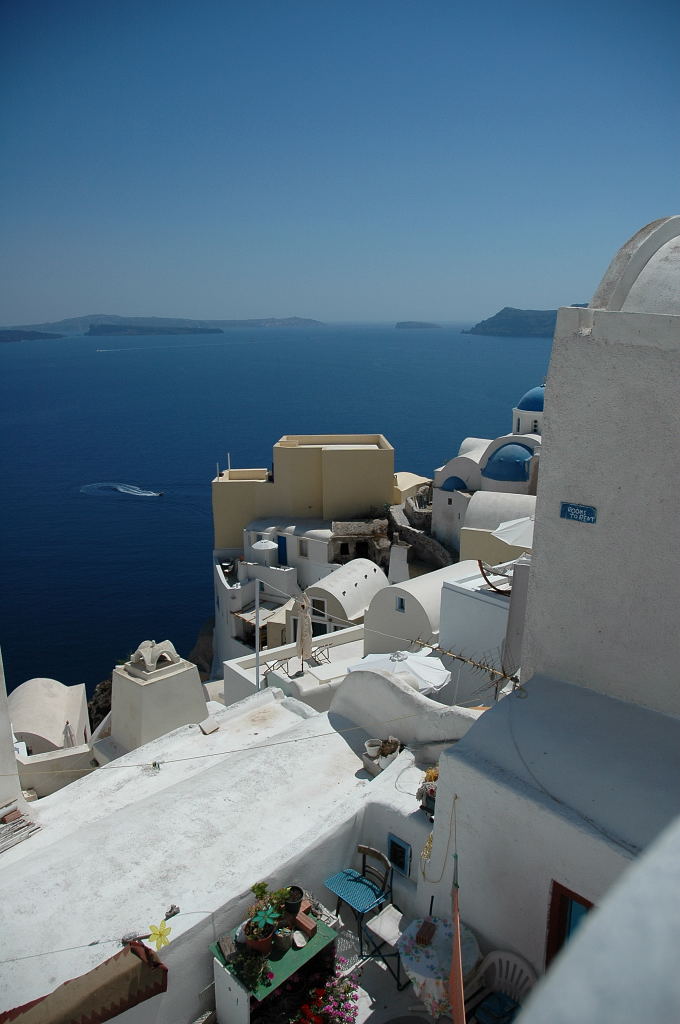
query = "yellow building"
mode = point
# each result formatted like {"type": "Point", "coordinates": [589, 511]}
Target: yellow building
{"type": "Point", "coordinates": [314, 476]}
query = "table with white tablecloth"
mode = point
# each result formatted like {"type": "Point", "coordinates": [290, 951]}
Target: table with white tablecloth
{"type": "Point", "coordinates": [429, 966]}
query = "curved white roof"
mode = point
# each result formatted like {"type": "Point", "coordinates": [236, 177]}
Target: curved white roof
{"type": "Point", "coordinates": [600, 758]}
{"type": "Point", "coordinates": [488, 509]}
{"type": "Point", "coordinates": [352, 585]}
{"type": "Point", "coordinates": [473, 444]}
{"type": "Point", "coordinates": [644, 276]}
{"type": "Point", "coordinates": [42, 706]}
{"type": "Point", "coordinates": [427, 589]}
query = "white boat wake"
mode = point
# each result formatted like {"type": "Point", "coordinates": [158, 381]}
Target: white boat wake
{"type": "Point", "coordinates": [112, 488]}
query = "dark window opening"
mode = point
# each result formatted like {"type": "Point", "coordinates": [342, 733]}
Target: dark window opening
{"type": "Point", "coordinates": [399, 853]}
{"type": "Point", "coordinates": [567, 910]}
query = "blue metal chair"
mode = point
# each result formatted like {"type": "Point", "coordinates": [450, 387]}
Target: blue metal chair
{"type": "Point", "coordinates": [363, 890]}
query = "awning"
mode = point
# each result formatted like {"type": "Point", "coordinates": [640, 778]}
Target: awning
{"type": "Point", "coordinates": [267, 610]}
{"type": "Point", "coordinates": [125, 979]}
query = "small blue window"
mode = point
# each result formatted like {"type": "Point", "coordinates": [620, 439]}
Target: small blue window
{"type": "Point", "coordinates": [399, 854]}
{"type": "Point", "coordinates": [401, 604]}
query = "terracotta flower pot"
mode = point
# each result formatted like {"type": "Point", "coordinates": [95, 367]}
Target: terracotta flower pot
{"type": "Point", "coordinates": [261, 945]}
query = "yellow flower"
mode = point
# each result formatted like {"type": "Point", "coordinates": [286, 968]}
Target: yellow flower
{"type": "Point", "coordinates": [160, 935]}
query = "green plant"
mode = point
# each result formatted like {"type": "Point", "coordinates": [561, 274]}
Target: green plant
{"type": "Point", "coordinates": [252, 969]}
{"type": "Point", "coordinates": [265, 919]}
{"type": "Point", "coordinates": [259, 890]}
{"type": "Point", "coordinates": [265, 913]}
{"type": "Point", "coordinates": [277, 899]}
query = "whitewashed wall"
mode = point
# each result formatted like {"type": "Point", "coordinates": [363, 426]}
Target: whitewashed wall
{"type": "Point", "coordinates": [603, 597]}
{"type": "Point", "coordinates": [472, 624]}
{"type": "Point", "coordinates": [512, 844]}
{"type": "Point", "coordinates": [9, 777]}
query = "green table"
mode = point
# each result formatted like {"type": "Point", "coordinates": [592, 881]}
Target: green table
{"type": "Point", "coordinates": [283, 965]}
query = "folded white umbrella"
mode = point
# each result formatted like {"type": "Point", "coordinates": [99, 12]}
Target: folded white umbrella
{"type": "Point", "coordinates": [428, 674]}
{"type": "Point", "coordinates": [518, 532]}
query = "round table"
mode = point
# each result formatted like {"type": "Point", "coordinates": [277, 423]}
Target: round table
{"type": "Point", "coordinates": [428, 967]}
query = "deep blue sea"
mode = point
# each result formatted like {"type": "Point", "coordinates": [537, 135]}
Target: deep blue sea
{"type": "Point", "coordinates": [89, 572]}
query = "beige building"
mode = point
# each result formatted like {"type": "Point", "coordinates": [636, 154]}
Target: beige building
{"type": "Point", "coordinates": [314, 476]}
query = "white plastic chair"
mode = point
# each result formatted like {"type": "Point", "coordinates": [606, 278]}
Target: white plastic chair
{"type": "Point", "coordinates": [503, 972]}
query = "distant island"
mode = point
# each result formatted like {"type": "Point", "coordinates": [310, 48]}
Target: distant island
{"type": "Point", "coordinates": [82, 325]}
{"type": "Point", "coordinates": [410, 324]}
{"type": "Point", "coordinates": [21, 334]}
{"type": "Point", "coordinates": [97, 330]}
{"type": "Point", "coordinates": [519, 323]}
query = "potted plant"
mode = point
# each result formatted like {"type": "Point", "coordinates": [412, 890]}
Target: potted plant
{"type": "Point", "coordinates": [263, 917]}
{"type": "Point", "coordinates": [294, 900]}
{"type": "Point", "coordinates": [427, 791]}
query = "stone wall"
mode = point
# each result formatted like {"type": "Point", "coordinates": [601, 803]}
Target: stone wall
{"type": "Point", "coordinates": [360, 528]}
{"type": "Point", "coordinates": [425, 548]}
{"type": "Point", "coordinates": [419, 518]}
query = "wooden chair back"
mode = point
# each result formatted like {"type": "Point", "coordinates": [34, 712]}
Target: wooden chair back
{"type": "Point", "coordinates": [376, 866]}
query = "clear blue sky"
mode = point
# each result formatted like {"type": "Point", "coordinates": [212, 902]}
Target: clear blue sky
{"type": "Point", "coordinates": [340, 159]}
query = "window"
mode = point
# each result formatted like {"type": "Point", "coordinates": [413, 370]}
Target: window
{"type": "Point", "coordinates": [302, 548]}
{"type": "Point", "coordinates": [399, 854]}
{"type": "Point", "coordinates": [450, 501]}
{"type": "Point", "coordinates": [518, 430]}
{"type": "Point", "coordinates": [344, 548]}
{"type": "Point", "coordinates": [567, 910]}
{"type": "Point", "coordinates": [401, 604]}
{"type": "Point", "coordinates": [319, 605]}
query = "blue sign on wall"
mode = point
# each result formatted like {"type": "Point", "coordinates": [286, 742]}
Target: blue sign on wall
{"type": "Point", "coordinates": [579, 513]}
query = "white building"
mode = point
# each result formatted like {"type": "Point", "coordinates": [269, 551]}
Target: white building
{"type": "Point", "coordinates": [46, 715]}
{"type": "Point", "coordinates": [276, 792]}
{"type": "Point", "coordinates": [486, 510]}
{"type": "Point", "coordinates": [506, 465]}
{"type": "Point", "coordinates": [301, 556]}
{"type": "Point", "coordinates": [342, 598]}
{"type": "Point", "coordinates": [474, 623]}
{"type": "Point", "coordinates": [547, 798]}
{"type": "Point", "coordinates": [584, 758]}
{"type": "Point", "coordinates": [404, 616]}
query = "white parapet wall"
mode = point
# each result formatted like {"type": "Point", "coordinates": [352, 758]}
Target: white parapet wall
{"type": "Point", "coordinates": [239, 673]}
{"type": "Point", "coordinates": [384, 706]}
{"type": "Point", "coordinates": [9, 778]}
{"type": "Point", "coordinates": [49, 772]}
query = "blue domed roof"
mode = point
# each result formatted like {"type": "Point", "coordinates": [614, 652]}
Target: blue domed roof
{"type": "Point", "coordinates": [509, 462]}
{"type": "Point", "coordinates": [454, 483]}
{"type": "Point", "coordinates": [533, 400]}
